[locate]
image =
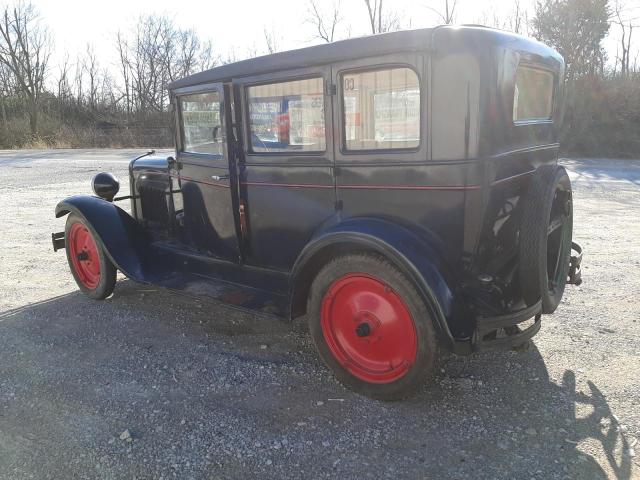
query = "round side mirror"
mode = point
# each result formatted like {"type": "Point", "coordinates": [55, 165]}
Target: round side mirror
{"type": "Point", "coordinates": [105, 185]}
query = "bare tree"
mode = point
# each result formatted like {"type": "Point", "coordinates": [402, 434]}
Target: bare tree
{"type": "Point", "coordinates": [206, 58]}
{"type": "Point", "coordinates": [380, 20]}
{"type": "Point", "coordinates": [155, 54]}
{"type": "Point", "coordinates": [270, 40]}
{"type": "Point", "coordinates": [325, 23]}
{"type": "Point", "coordinates": [91, 69]}
{"type": "Point", "coordinates": [7, 87]}
{"type": "Point", "coordinates": [64, 87]}
{"type": "Point", "coordinates": [516, 21]}
{"type": "Point", "coordinates": [25, 47]}
{"type": "Point", "coordinates": [626, 28]}
{"type": "Point", "coordinates": [187, 48]}
{"type": "Point", "coordinates": [446, 15]}
{"type": "Point", "coordinates": [125, 69]}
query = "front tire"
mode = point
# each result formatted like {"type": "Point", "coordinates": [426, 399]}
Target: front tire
{"type": "Point", "coordinates": [371, 327]}
{"type": "Point", "coordinates": [91, 268]}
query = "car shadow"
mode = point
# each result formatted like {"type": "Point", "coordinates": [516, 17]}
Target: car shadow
{"type": "Point", "coordinates": [207, 372]}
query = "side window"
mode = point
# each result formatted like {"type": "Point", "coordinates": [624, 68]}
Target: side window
{"type": "Point", "coordinates": [381, 109]}
{"type": "Point", "coordinates": [533, 96]}
{"type": "Point", "coordinates": [287, 116]}
{"type": "Point", "coordinates": [201, 125]}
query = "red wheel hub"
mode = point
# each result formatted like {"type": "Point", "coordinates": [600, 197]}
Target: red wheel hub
{"type": "Point", "coordinates": [368, 328]}
{"type": "Point", "coordinates": [84, 255]}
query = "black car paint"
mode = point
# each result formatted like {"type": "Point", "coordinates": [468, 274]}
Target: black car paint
{"type": "Point", "coordinates": [444, 212]}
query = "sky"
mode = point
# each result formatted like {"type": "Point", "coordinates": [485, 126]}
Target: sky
{"type": "Point", "coordinates": [232, 25]}
{"type": "Point", "coordinates": [238, 25]}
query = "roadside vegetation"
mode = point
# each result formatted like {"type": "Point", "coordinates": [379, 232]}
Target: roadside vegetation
{"type": "Point", "coordinates": [82, 102]}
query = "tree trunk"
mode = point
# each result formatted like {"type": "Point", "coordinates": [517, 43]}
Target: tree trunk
{"type": "Point", "coordinates": [3, 112]}
{"type": "Point", "coordinates": [33, 117]}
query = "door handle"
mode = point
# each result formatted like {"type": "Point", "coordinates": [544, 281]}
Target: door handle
{"type": "Point", "coordinates": [220, 177]}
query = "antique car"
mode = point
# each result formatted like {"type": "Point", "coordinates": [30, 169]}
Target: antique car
{"type": "Point", "coordinates": [401, 192]}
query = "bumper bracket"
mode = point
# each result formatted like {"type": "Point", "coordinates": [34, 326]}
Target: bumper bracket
{"type": "Point", "coordinates": [58, 241]}
{"type": "Point", "coordinates": [488, 329]}
{"type": "Point", "coordinates": [575, 274]}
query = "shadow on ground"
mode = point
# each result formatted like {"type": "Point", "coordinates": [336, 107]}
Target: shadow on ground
{"type": "Point", "coordinates": [210, 392]}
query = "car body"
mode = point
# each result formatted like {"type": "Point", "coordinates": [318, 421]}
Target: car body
{"type": "Point", "coordinates": [420, 148]}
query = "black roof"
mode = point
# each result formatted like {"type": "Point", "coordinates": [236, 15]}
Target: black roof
{"type": "Point", "coordinates": [406, 40]}
{"type": "Point", "coordinates": [315, 55]}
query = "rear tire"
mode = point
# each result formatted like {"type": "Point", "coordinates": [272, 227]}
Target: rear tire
{"type": "Point", "coordinates": [545, 238]}
{"type": "Point", "coordinates": [91, 268]}
{"type": "Point", "coordinates": [371, 327]}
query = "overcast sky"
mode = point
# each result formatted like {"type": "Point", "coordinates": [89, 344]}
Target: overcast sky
{"type": "Point", "coordinates": [238, 25]}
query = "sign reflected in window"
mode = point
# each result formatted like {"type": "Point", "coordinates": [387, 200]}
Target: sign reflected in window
{"type": "Point", "coordinates": [287, 116]}
{"type": "Point", "coordinates": [201, 124]}
{"type": "Point", "coordinates": [381, 109]}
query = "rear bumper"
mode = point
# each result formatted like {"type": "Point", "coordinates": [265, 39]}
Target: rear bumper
{"type": "Point", "coordinates": [575, 274]}
{"type": "Point", "coordinates": [503, 331]}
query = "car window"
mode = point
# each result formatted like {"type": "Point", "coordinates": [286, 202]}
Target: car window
{"type": "Point", "coordinates": [287, 116]}
{"type": "Point", "coordinates": [533, 95]}
{"type": "Point", "coordinates": [201, 124]}
{"type": "Point", "coordinates": [381, 109]}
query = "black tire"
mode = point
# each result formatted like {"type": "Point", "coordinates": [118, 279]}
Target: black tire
{"type": "Point", "coordinates": [107, 280]}
{"type": "Point", "coordinates": [544, 251]}
{"type": "Point", "coordinates": [382, 271]}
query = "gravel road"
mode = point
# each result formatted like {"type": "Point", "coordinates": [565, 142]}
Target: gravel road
{"type": "Point", "coordinates": [148, 384]}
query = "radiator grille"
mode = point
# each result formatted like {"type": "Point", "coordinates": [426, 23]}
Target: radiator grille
{"type": "Point", "coordinates": [153, 199]}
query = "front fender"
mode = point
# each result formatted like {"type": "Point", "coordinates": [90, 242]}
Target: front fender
{"type": "Point", "coordinates": [412, 254]}
{"type": "Point", "coordinates": [124, 240]}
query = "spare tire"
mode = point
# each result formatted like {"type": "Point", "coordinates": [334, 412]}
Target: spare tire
{"type": "Point", "coordinates": [545, 237]}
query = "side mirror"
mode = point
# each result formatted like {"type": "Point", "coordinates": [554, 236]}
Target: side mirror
{"type": "Point", "coordinates": [105, 185]}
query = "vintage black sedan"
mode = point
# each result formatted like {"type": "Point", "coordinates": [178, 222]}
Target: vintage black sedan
{"type": "Point", "coordinates": [400, 191]}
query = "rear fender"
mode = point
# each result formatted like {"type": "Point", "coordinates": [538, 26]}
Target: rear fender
{"type": "Point", "coordinates": [124, 240]}
{"type": "Point", "coordinates": [413, 255]}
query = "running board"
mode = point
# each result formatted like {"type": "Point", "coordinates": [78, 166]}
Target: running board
{"type": "Point", "coordinates": [207, 278]}
{"type": "Point", "coordinates": [229, 293]}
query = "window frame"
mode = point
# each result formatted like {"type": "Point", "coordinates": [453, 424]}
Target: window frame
{"type": "Point", "coordinates": [196, 158]}
{"type": "Point", "coordinates": [341, 109]}
{"type": "Point", "coordinates": [554, 86]}
{"type": "Point", "coordinates": [221, 130]}
{"type": "Point", "coordinates": [285, 77]}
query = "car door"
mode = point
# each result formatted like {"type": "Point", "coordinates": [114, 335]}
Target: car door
{"type": "Point", "coordinates": [287, 171]}
{"type": "Point", "coordinates": [207, 218]}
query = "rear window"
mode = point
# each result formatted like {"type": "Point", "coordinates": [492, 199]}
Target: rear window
{"type": "Point", "coordinates": [381, 109]}
{"type": "Point", "coordinates": [287, 116]}
{"type": "Point", "coordinates": [533, 96]}
{"type": "Point", "coordinates": [201, 123]}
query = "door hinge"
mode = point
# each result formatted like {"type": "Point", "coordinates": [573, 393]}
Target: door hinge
{"type": "Point", "coordinates": [331, 89]}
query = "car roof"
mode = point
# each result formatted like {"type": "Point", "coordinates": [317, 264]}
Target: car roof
{"type": "Point", "coordinates": [352, 48]}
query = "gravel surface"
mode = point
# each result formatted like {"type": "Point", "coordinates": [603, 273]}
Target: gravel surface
{"type": "Point", "coordinates": [148, 384]}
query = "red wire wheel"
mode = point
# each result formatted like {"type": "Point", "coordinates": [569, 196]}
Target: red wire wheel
{"type": "Point", "coordinates": [368, 328]}
{"type": "Point", "coordinates": [84, 256]}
